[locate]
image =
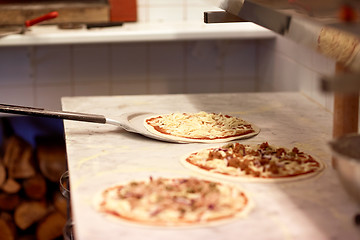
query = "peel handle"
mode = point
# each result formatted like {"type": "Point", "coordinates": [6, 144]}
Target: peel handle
{"type": "Point", "coordinates": [39, 112]}
{"type": "Point", "coordinates": [42, 18]}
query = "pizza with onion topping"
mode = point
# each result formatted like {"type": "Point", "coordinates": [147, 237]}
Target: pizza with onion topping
{"type": "Point", "coordinates": [200, 127]}
{"type": "Point", "coordinates": [261, 162]}
{"type": "Point", "coordinates": [174, 202]}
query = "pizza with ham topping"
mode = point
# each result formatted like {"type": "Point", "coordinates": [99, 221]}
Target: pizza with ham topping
{"type": "Point", "coordinates": [200, 127]}
{"type": "Point", "coordinates": [262, 162]}
{"type": "Point", "coordinates": [174, 201]}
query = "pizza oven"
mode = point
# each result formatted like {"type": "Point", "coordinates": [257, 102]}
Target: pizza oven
{"type": "Point", "coordinates": [328, 27]}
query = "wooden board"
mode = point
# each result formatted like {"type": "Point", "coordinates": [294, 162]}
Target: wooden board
{"type": "Point", "coordinates": [68, 12]}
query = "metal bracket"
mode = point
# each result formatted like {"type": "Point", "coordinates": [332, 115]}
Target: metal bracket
{"type": "Point", "coordinates": [347, 83]}
{"type": "Point", "coordinates": [221, 17]}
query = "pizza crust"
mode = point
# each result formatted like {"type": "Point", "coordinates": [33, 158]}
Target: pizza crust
{"type": "Point", "coordinates": [143, 216]}
{"type": "Point", "coordinates": [234, 174]}
{"type": "Point", "coordinates": [205, 139]}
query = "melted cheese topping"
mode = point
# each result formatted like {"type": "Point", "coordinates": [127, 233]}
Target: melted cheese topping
{"type": "Point", "coordinates": [257, 161]}
{"type": "Point", "coordinates": [200, 125]}
{"type": "Point", "coordinates": [173, 201]}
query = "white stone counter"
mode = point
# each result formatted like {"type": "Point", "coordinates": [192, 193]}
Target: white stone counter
{"type": "Point", "coordinates": [137, 32]}
{"type": "Point", "coordinates": [103, 155]}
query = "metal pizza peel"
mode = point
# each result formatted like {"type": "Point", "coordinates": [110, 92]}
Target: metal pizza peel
{"type": "Point", "coordinates": [131, 122]}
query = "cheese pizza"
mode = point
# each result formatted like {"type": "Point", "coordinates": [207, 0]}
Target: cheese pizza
{"type": "Point", "coordinates": [261, 162]}
{"type": "Point", "coordinates": [174, 202]}
{"type": "Point", "coordinates": [200, 127]}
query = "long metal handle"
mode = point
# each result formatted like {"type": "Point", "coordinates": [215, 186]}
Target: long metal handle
{"type": "Point", "coordinates": [39, 112]}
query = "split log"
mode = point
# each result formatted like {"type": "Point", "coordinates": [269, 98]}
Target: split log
{"type": "Point", "coordinates": [18, 158]}
{"type": "Point", "coordinates": [31, 205]}
{"type": "Point", "coordinates": [51, 226]}
{"type": "Point", "coordinates": [51, 156]}
{"type": "Point", "coordinates": [11, 186]}
{"type": "Point", "coordinates": [60, 204]}
{"type": "Point", "coordinates": [2, 174]}
{"type": "Point", "coordinates": [27, 237]}
{"type": "Point", "coordinates": [5, 231]}
{"type": "Point", "coordinates": [35, 187]}
{"type": "Point", "coordinates": [7, 219]}
{"type": "Point", "coordinates": [9, 202]}
{"type": "Point", "coordinates": [28, 213]}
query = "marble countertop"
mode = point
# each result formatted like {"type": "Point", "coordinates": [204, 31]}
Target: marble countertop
{"type": "Point", "coordinates": [137, 32]}
{"type": "Point", "coordinates": [103, 155]}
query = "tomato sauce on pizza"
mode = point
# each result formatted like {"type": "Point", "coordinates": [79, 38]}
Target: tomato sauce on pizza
{"type": "Point", "coordinates": [251, 162]}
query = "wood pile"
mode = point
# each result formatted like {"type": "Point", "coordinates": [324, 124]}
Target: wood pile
{"type": "Point", "coordinates": [31, 205]}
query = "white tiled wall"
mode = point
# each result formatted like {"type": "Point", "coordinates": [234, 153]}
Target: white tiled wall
{"type": "Point", "coordinates": [41, 75]}
{"type": "Point", "coordinates": [173, 10]}
{"type": "Point", "coordinates": [16, 76]}
{"type": "Point", "coordinates": [287, 66]}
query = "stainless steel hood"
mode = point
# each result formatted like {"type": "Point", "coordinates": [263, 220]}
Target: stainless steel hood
{"type": "Point", "coordinates": [330, 27]}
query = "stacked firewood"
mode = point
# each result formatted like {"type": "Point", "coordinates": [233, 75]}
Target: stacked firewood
{"type": "Point", "coordinates": [31, 204]}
